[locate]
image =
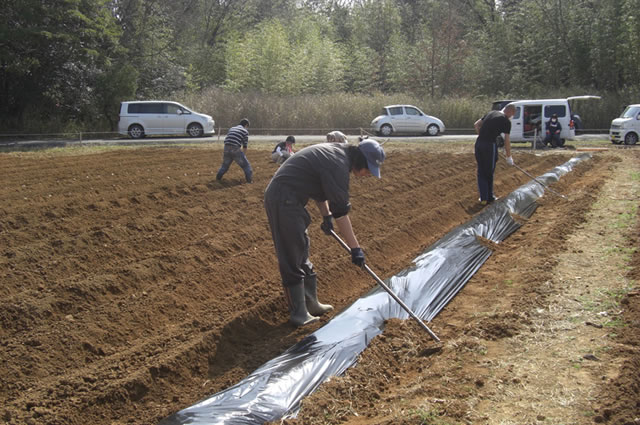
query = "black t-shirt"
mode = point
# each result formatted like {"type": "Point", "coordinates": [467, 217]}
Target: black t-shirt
{"type": "Point", "coordinates": [494, 123]}
{"type": "Point", "coordinates": [320, 172]}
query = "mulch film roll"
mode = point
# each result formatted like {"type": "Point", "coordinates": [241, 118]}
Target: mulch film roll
{"type": "Point", "coordinates": [275, 390]}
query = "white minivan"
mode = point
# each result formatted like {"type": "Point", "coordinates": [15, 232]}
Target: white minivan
{"type": "Point", "coordinates": [626, 128]}
{"type": "Point", "coordinates": [155, 117]}
{"type": "Point", "coordinates": [531, 116]}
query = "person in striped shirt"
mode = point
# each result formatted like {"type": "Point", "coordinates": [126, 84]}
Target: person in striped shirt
{"type": "Point", "coordinates": [235, 149]}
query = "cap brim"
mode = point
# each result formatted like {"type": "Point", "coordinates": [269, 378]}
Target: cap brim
{"type": "Point", "coordinates": [374, 168]}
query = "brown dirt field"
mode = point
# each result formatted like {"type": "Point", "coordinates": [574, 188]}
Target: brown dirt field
{"type": "Point", "coordinates": [134, 285]}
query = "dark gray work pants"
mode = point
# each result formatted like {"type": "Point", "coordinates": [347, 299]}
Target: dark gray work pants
{"type": "Point", "coordinates": [288, 220]}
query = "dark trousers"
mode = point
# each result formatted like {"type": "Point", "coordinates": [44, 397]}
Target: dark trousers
{"type": "Point", "coordinates": [486, 157]}
{"type": "Point", "coordinates": [553, 140]}
{"type": "Point", "coordinates": [234, 153]}
{"type": "Point", "coordinates": [288, 220]}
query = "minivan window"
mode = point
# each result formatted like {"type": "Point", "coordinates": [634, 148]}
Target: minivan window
{"type": "Point", "coordinates": [559, 110]}
{"type": "Point", "coordinates": [396, 111]}
{"type": "Point", "coordinates": [173, 109]}
{"type": "Point", "coordinates": [146, 108]}
{"type": "Point", "coordinates": [631, 112]}
{"type": "Point", "coordinates": [517, 114]}
{"type": "Point", "coordinates": [412, 111]}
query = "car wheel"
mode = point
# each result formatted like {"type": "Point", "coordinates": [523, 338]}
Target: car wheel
{"type": "Point", "coordinates": [631, 138]}
{"type": "Point", "coordinates": [433, 130]}
{"type": "Point", "coordinates": [195, 130]}
{"type": "Point", "coordinates": [386, 130]}
{"type": "Point", "coordinates": [500, 141]}
{"type": "Point", "coordinates": [136, 131]}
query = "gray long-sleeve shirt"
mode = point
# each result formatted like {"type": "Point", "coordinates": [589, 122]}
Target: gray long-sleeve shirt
{"type": "Point", "coordinates": [320, 172]}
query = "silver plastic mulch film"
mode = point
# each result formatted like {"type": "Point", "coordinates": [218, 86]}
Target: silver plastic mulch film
{"type": "Point", "coordinates": [275, 390]}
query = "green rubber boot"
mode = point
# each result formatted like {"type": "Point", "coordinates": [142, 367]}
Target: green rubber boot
{"type": "Point", "coordinates": [297, 307]}
{"type": "Point", "coordinates": [311, 295]}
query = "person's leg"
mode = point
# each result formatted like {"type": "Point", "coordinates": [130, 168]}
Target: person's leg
{"type": "Point", "coordinates": [314, 307]}
{"type": "Point", "coordinates": [493, 161]}
{"type": "Point", "coordinates": [288, 221]}
{"type": "Point", "coordinates": [241, 159]}
{"type": "Point", "coordinates": [483, 159]}
{"type": "Point", "coordinates": [227, 158]}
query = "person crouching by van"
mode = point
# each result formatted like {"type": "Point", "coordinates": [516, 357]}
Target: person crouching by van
{"type": "Point", "coordinates": [283, 150]}
{"type": "Point", "coordinates": [489, 128]}
{"type": "Point", "coordinates": [552, 136]}
{"type": "Point", "coordinates": [235, 149]}
{"type": "Point", "coordinates": [336, 137]}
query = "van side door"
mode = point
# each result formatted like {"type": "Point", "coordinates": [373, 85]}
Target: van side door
{"type": "Point", "coordinates": [564, 117]}
{"type": "Point", "coordinates": [152, 116]}
{"type": "Point", "coordinates": [174, 123]}
{"type": "Point", "coordinates": [516, 125]}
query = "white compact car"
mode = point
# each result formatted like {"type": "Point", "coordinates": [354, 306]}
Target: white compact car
{"type": "Point", "coordinates": [156, 117]}
{"type": "Point", "coordinates": [406, 119]}
{"type": "Point", "coordinates": [626, 128]}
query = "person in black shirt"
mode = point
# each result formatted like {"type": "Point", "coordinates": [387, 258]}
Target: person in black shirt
{"type": "Point", "coordinates": [319, 172]}
{"type": "Point", "coordinates": [553, 132]}
{"type": "Point", "coordinates": [283, 150]}
{"type": "Point", "coordinates": [489, 128]}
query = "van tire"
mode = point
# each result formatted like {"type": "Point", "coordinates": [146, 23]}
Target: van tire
{"type": "Point", "coordinates": [195, 130]}
{"type": "Point", "coordinates": [631, 138]}
{"type": "Point", "coordinates": [500, 141]}
{"type": "Point", "coordinates": [136, 131]}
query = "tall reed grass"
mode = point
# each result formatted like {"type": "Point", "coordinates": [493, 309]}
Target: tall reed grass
{"type": "Point", "coordinates": [349, 112]}
{"type": "Point", "coordinates": [322, 113]}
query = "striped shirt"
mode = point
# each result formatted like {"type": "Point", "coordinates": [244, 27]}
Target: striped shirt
{"type": "Point", "coordinates": [237, 136]}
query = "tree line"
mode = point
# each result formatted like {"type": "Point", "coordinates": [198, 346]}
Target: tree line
{"type": "Point", "coordinates": [69, 63]}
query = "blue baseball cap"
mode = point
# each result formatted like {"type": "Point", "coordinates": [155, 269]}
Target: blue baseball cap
{"type": "Point", "coordinates": [374, 154]}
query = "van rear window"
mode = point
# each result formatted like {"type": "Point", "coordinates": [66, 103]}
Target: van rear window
{"type": "Point", "coordinates": [146, 108]}
{"type": "Point", "coordinates": [560, 110]}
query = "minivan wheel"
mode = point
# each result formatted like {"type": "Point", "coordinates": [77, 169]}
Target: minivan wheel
{"type": "Point", "coordinates": [631, 138]}
{"type": "Point", "coordinates": [386, 130]}
{"type": "Point", "coordinates": [136, 131]}
{"type": "Point", "coordinates": [194, 130]}
{"type": "Point", "coordinates": [433, 130]}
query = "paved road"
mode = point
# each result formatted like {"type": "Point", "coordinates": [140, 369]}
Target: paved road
{"type": "Point", "coordinates": [9, 144]}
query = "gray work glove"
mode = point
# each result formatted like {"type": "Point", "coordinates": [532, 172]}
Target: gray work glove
{"type": "Point", "coordinates": [357, 257]}
{"type": "Point", "coordinates": [327, 224]}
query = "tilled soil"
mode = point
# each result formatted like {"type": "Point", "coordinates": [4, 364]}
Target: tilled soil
{"type": "Point", "coordinates": [134, 284]}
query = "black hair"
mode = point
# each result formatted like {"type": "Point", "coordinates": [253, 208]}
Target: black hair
{"type": "Point", "coordinates": [244, 122]}
{"type": "Point", "coordinates": [358, 160]}
{"type": "Point", "coordinates": [290, 139]}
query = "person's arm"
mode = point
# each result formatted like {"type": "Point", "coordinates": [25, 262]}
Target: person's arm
{"type": "Point", "coordinates": [507, 145]}
{"type": "Point", "coordinates": [323, 206]}
{"type": "Point", "coordinates": [477, 125]}
{"type": "Point", "coordinates": [344, 224]}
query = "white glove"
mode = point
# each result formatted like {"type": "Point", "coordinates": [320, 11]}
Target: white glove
{"type": "Point", "coordinates": [509, 160]}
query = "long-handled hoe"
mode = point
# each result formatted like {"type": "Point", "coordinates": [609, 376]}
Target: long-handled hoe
{"type": "Point", "coordinates": [538, 181]}
{"type": "Point", "coordinates": [386, 288]}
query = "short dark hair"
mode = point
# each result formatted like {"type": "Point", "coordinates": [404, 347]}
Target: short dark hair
{"type": "Point", "coordinates": [244, 122]}
{"type": "Point", "coordinates": [290, 139]}
{"type": "Point", "coordinates": [358, 160]}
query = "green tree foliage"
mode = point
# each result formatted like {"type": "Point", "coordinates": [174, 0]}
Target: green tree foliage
{"type": "Point", "coordinates": [51, 55]}
{"type": "Point", "coordinates": [73, 61]}
{"type": "Point", "coordinates": [272, 58]}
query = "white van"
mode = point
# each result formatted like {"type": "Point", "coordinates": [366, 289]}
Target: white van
{"type": "Point", "coordinates": [532, 115]}
{"type": "Point", "coordinates": [626, 128]}
{"type": "Point", "coordinates": [154, 117]}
